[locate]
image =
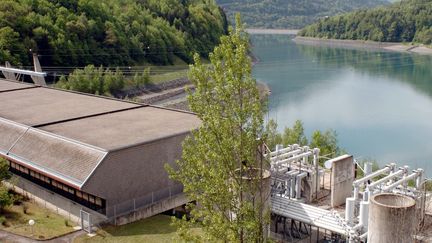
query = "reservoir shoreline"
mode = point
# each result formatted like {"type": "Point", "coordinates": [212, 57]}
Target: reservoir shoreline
{"type": "Point", "coordinates": [389, 46]}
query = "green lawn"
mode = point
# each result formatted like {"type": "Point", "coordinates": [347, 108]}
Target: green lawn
{"type": "Point", "coordinates": [156, 229]}
{"type": "Point", "coordinates": [47, 223]}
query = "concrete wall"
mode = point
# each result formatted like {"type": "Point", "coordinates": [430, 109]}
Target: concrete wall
{"type": "Point", "coordinates": [151, 210]}
{"type": "Point", "coordinates": [342, 178]}
{"type": "Point", "coordinates": [135, 173]}
{"type": "Point", "coordinates": [52, 201]}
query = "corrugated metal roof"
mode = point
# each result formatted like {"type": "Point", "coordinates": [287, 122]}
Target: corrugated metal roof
{"type": "Point", "coordinates": [67, 160]}
{"type": "Point", "coordinates": [308, 214]}
{"type": "Point", "coordinates": [10, 133]}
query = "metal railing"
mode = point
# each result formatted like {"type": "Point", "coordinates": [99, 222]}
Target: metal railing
{"type": "Point", "coordinates": [136, 204]}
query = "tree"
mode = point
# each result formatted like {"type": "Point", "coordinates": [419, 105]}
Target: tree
{"type": "Point", "coordinates": [295, 135]}
{"type": "Point", "coordinates": [218, 155]}
{"type": "Point", "coordinates": [326, 142]}
{"type": "Point", "coordinates": [5, 198]}
{"type": "Point", "coordinates": [273, 136]}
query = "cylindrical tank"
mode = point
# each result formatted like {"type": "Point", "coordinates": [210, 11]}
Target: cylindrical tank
{"type": "Point", "coordinates": [391, 218]}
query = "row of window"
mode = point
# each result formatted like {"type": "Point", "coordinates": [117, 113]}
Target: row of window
{"type": "Point", "coordinates": [76, 195]}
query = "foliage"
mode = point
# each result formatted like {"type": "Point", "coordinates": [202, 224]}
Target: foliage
{"type": "Point", "coordinates": [404, 21]}
{"type": "Point", "coordinates": [48, 224]}
{"type": "Point", "coordinates": [93, 80]}
{"type": "Point", "coordinates": [110, 32]}
{"type": "Point", "coordinates": [142, 79]}
{"type": "Point", "coordinates": [6, 198]}
{"type": "Point", "coordinates": [295, 135]}
{"type": "Point", "coordinates": [273, 136]}
{"type": "Point", "coordinates": [227, 101]}
{"type": "Point", "coordinates": [326, 141]}
{"type": "Point", "coordinates": [4, 169]}
{"type": "Point", "coordinates": [291, 13]}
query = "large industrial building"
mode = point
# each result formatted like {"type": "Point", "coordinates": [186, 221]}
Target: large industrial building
{"type": "Point", "coordinates": [89, 152]}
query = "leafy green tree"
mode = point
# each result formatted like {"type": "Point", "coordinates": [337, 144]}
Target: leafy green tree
{"type": "Point", "coordinates": [402, 21]}
{"type": "Point", "coordinates": [5, 198]}
{"type": "Point", "coordinates": [93, 80]}
{"type": "Point", "coordinates": [295, 135]}
{"type": "Point", "coordinates": [326, 142]}
{"type": "Point", "coordinates": [109, 32]}
{"type": "Point", "coordinates": [291, 13]}
{"type": "Point", "coordinates": [227, 101]}
{"type": "Point", "coordinates": [4, 169]}
{"type": "Point", "coordinates": [143, 78]}
{"type": "Point", "coordinates": [273, 136]}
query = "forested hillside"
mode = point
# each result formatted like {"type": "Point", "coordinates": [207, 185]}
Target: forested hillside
{"type": "Point", "coordinates": [290, 13]}
{"type": "Point", "coordinates": [107, 32]}
{"type": "Point", "coordinates": [405, 21]}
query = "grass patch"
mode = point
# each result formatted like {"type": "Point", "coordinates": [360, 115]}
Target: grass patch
{"type": "Point", "coordinates": [47, 224]}
{"type": "Point", "coordinates": [156, 229]}
{"type": "Point", "coordinates": [168, 76]}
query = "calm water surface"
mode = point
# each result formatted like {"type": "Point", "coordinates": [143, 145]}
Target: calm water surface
{"type": "Point", "coordinates": [379, 103]}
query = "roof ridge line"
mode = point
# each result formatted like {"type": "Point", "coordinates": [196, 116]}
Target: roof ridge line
{"type": "Point", "coordinates": [18, 89]}
{"type": "Point", "coordinates": [54, 135]}
{"type": "Point", "coordinates": [88, 116]}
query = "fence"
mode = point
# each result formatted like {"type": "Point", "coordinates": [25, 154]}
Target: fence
{"type": "Point", "coordinates": [136, 204]}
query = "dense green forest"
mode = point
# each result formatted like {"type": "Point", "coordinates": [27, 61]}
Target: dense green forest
{"type": "Point", "coordinates": [108, 32]}
{"type": "Point", "coordinates": [290, 13]}
{"type": "Point", "coordinates": [404, 21]}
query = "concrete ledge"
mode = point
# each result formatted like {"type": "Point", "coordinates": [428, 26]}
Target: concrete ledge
{"type": "Point", "coordinates": [156, 208]}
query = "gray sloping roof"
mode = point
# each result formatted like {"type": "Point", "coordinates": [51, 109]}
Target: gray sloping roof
{"type": "Point", "coordinates": [5, 86]}
{"type": "Point", "coordinates": [126, 128]}
{"type": "Point", "coordinates": [66, 135]}
{"type": "Point", "coordinates": [38, 106]}
{"type": "Point", "coordinates": [10, 133]}
{"type": "Point", "coordinates": [67, 160]}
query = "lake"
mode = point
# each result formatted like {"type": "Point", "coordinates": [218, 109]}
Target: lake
{"type": "Point", "coordinates": [378, 102]}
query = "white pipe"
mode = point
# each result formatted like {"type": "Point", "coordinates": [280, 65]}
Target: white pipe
{"type": "Point", "coordinates": [357, 227]}
{"type": "Point", "coordinates": [386, 169]}
{"type": "Point", "coordinates": [299, 178]}
{"type": "Point", "coordinates": [284, 155]}
{"type": "Point", "coordinates": [279, 151]}
{"type": "Point", "coordinates": [401, 181]}
{"type": "Point", "coordinates": [356, 192]}
{"type": "Point", "coordinates": [382, 180]}
{"type": "Point", "coordinates": [294, 158]}
{"type": "Point", "coordinates": [366, 195]}
{"type": "Point", "coordinates": [349, 210]}
{"type": "Point", "coordinates": [316, 152]}
{"type": "Point", "coordinates": [26, 72]}
{"type": "Point", "coordinates": [364, 214]}
{"type": "Point", "coordinates": [292, 187]}
{"type": "Point", "coordinates": [419, 180]}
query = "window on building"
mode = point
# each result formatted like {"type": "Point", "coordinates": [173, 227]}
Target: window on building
{"type": "Point", "coordinates": [83, 198]}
